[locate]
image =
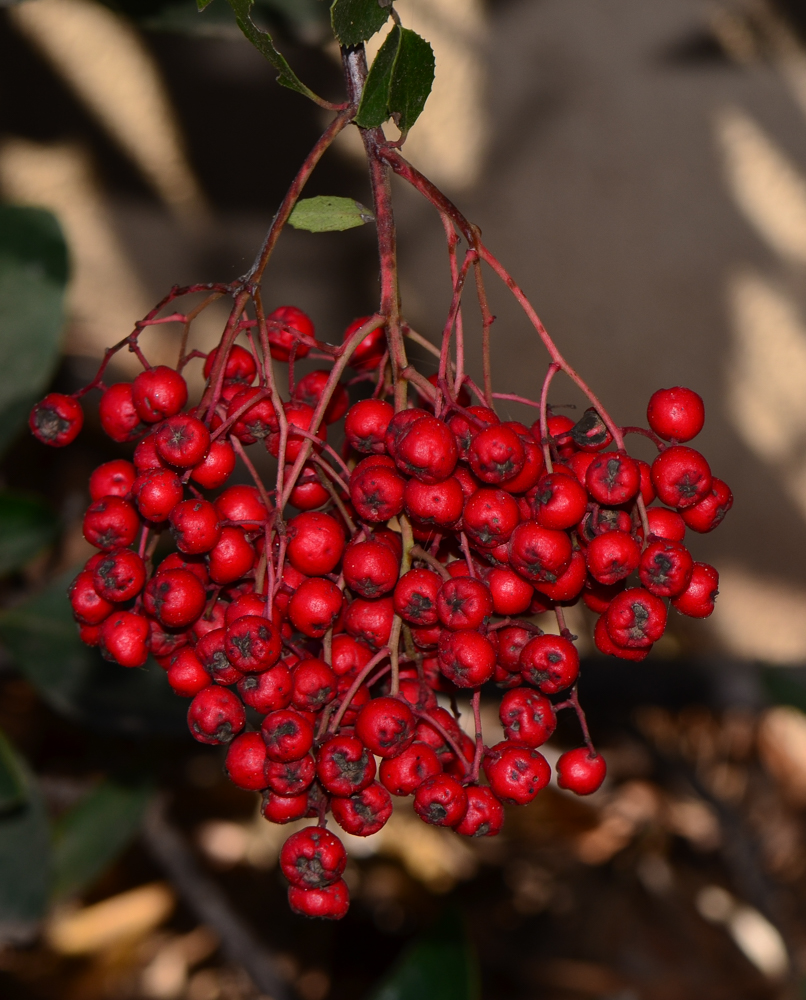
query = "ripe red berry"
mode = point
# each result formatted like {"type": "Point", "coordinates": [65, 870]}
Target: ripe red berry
{"type": "Point", "coordinates": [256, 422]}
{"type": "Point", "coordinates": [370, 621]}
{"type": "Point", "coordinates": [315, 606]}
{"type": "Point", "coordinates": [316, 543]}
{"type": "Point", "coordinates": [385, 726]}
{"type": "Point", "coordinates": [312, 858]}
{"type": "Point", "coordinates": [156, 492]}
{"type": "Point", "coordinates": [291, 777]}
{"type": "Point", "coordinates": [635, 618]}
{"type": "Point", "coordinates": [242, 504]}
{"type": "Point", "coordinates": [348, 656]}
{"type": "Point", "coordinates": [667, 524]}
{"type": "Point", "coordinates": [527, 717]}
{"type": "Point", "coordinates": [403, 774]}
{"type": "Point", "coordinates": [604, 643]}
{"type": "Point", "coordinates": [677, 413]}
{"type": "Point", "coordinates": [435, 503]}
{"type": "Point", "coordinates": [309, 391]}
{"type": "Point", "coordinates": [533, 466]}
{"type": "Point", "coordinates": [286, 809]}
{"type": "Point", "coordinates": [681, 476]}
{"type": "Point", "coordinates": [613, 478]}
{"type": "Point", "coordinates": [216, 467]}
{"type": "Point", "coordinates": [124, 639]}
{"type": "Point", "coordinates": [195, 526]}
{"type": "Point", "coordinates": [366, 424]}
{"type": "Point", "coordinates": [665, 568]}
{"type": "Point", "coordinates": [112, 479]}
{"type": "Point", "coordinates": [558, 501]}
{"type": "Point", "coordinates": [240, 366]}
{"type": "Point", "coordinates": [440, 801]}
{"type": "Point", "coordinates": [490, 517]}
{"type": "Point", "coordinates": [496, 454]}
{"type": "Point", "coordinates": [364, 812]}
{"type": "Point", "coordinates": [370, 568]}
{"type": "Point", "coordinates": [231, 557]}
{"type": "Point", "coordinates": [370, 351]}
{"type": "Point", "coordinates": [537, 553]}
{"type": "Point", "coordinates": [484, 816]}
{"type": "Point", "coordinates": [56, 420]}
{"type": "Point", "coordinates": [330, 903]}
{"type": "Point", "coordinates": [287, 327]}
{"type": "Point", "coordinates": [246, 757]}
{"type": "Point", "coordinates": [466, 658]}
{"type": "Point", "coordinates": [697, 600]}
{"type": "Point", "coordinates": [427, 450]}
{"type": "Point", "coordinates": [119, 419]}
{"type": "Point", "coordinates": [146, 455]}
{"type": "Point", "coordinates": [376, 493]}
{"type": "Point", "coordinates": [415, 597]}
{"type": "Point", "coordinates": [175, 597]}
{"type": "Point", "coordinates": [245, 604]}
{"type": "Point", "coordinates": [581, 771]}
{"type": "Point", "coordinates": [511, 594]}
{"type": "Point", "coordinates": [515, 773]}
{"type": "Point", "coordinates": [511, 642]}
{"type": "Point", "coordinates": [159, 393]}
{"type": "Point", "coordinates": [182, 441]}
{"type": "Point", "coordinates": [191, 563]}
{"type": "Point", "coordinates": [287, 735]}
{"type": "Point", "coordinates": [299, 417]}
{"type": "Point", "coordinates": [709, 512]}
{"type": "Point", "coordinates": [313, 685]}
{"type": "Point", "coordinates": [119, 575]}
{"type": "Point", "coordinates": [163, 643]}
{"type": "Point", "coordinates": [550, 663]}
{"type": "Point", "coordinates": [612, 557]}
{"type": "Point", "coordinates": [252, 644]}
{"type": "Point", "coordinates": [186, 675]}
{"type": "Point", "coordinates": [466, 426]}
{"type": "Point", "coordinates": [111, 523]}
{"type": "Point", "coordinates": [308, 493]}
{"type": "Point", "coordinates": [344, 765]}
{"type": "Point", "coordinates": [464, 603]}
{"type": "Point", "coordinates": [88, 607]}
{"type": "Point", "coordinates": [268, 691]}
{"type": "Point", "coordinates": [569, 584]}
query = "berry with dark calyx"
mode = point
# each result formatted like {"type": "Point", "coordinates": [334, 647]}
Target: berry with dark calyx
{"type": "Point", "coordinates": [156, 493]}
{"type": "Point", "coordinates": [370, 568]}
{"type": "Point", "coordinates": [635, 618]}
{"type": "Point", "coordinates": [312, 858]}
{"type": "Point", "coordinates": [568, 585]}
{"type": "Point", "coordinates": [665, 568]}
{"type": "Point", "coordinates": [186, 675]}
{"type": "Point", "coordinates": [89, 608]}
{"type": "Point", "coordinates": [175, 598]}
{"type": "Point", "coordinates": [581, 771]}
{"type": "Point", "coordinates": [550, 663]}
{"type": "Point", "coordinates": [511, 642]}
{"type": "Point", "coordinates": [330, 903]}
{"type": "Point", "coordinates": [112, 479]}
{"type": "Point", "coordinates": [252, 644]}
{"type": "Point", "coordinates": [607, 647]}
{"type": "Point", "coordinates": [404, 774]}
{"type": "Point", "coordinates": [111, 523]}
{"type": "Point", "coordinates": [268, 691]}
{"type": "Point", "coordinates": [242, 504]}
{"type": "Point", "coordinates": [415, 597]}
{"type": "Point", "coordinates": [427, 450]}
{"type": "Point", "coordinates": [212, 653]}
{"type": "Point", "coordinates": [376, 493]}
{"type": "Point", "coordinates": [539, 554]}
{"type": "Point", "coordinates": [613, 478]}
{"type": "Point", "coordinates": [440, 801]}
{"type": "Point", "coordinates": [370, 621]}
{"type": "Point", "coordinates": [287, 735]}
{"type": "Point", "coordinates": [490, 517]}
{"type": "Point", "coordinates": [245, 760]}
{"type": "Point", "coordinates": [558, 501]}
{"type": "Point", "coordinates": [464, 603]}
{"type": "Point", "coordinates": [681, 477]}
{"type": "Point", "coordinates": [709, 512]}
{"type": "Point", "coordinates": [182, 441]}
{"type": "Point", "coordinates": [119, 575]}
{"type": "Point", "coordinates": [315, 606]}
{"type": "Point", "coordinates": [231, 557]}
{"type": "Point", "coordinates": [612, 557]}
{"type": "Point", "coordinates": [287, 326]}
{"type": "Point", "coordinates": [676, 414]}
{"type": "Point", "coordinates": [527, 717]}
{"type": "Point", "coordinates": [291, 777]}
{"type": "Point", "coordinates": [484, 816]}
{"type": "Point", "coordinates": [533, 467]}
{"type": "Point", "coordinates": [216, 467]}
{"type": "Point", "coordinates": [284, 808]}
{"type": "Point", "coordinates": [515, 773]}
{"type": "Point", "coordinates": [159, 393]}
{"type": "Point", "coordinates": [667, 524]}
{"type": "Point", "coordinates": [215, 715]}
{"type": "Point", "coordinates": [363, 813]}
{"type": "Point", "coordinates": [370, 351]}
{"type": "Point", "coordinates": [599, 520]}
{"type": "Point", "coordinates": [344, 765]}
{"type": "Point", "coordinates": [195, 526]}
{"type": "Point", "coordinates": [119, 418]}
{"type": "Point", "coordinates": [496, 454]}
{"type": "Point", "coordinates": [697, 600]}
{"type": "Point", "coordinates": [467, 425]}
{"type": "Point", "coordinates": [439, 504]}
{"type": "Point", "coordinates": [309, 391]}
{"type": "Point", "coordinates": [511, 594]}
{"type": "Point", "coordinates": [316, 543]}
{"type": "Point", "coordinates": [257, 421]}
{"type": "Point", "coordinates": [366, 424]}
{"type": "Point", "coordinates": [590, 433]}
{"type": "Point", "coordinates": [466, 658]}
{"type": "Point", "coordinates": [240, 366]}
{"type": "Point", "coordinates": [56, 420]}
{"type": "Point", "coordinates": [385, 726]}
{"type": "Point", "coordinates": [313, 685]}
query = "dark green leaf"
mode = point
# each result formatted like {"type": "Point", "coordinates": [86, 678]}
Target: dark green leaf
{"type": "Point", "coordinates": [412, 79]}
{"type": "Point", "coordinates": [373, 109]}
{"type": "Point", "coordinates": [326, 214]}
{"type": "Point", "coordinates": [26, 526]}
{"type": "Point", "coordinates": [24, 862]}
{"type": "Point", "coordinates": [13, 792]}
{"type": "Point", "coordinates": [89, 837]}
{"type": "Point", "coordinates": [438, 965]}
{"type": "Point", "coordinates": [201, 4]}
{"type": "Point", "coordinates": [354, 21]}
{"type": "Point", "coordinates": [33, 275]}
{"type": "Point", "coordinates": [43, 640]}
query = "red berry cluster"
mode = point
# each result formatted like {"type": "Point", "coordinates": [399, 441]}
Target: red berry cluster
{"type": "Point", "coordinates": [401, 576]}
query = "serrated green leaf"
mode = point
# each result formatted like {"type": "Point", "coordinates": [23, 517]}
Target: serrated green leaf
{"type": "Point", "coordinates": [373, 108]}
{"type": "Point", "coordinates": [439, 965]}
{"type": "Point", "coordinates": [13, 792]}
{"type": "Point", "coordinates": [33, 276]}
{"type": "Point", "coordinates": [27, 525]}
{"type": "Point", "coordinates": [25, 869]}
{"type": "Point", "coordinates": [412, 79]}
{"type": "Point", "coordinates": [354, 21]}
{"type": "Point", "coordinates": [326, 214]}
{"type": "Point", "coordinates": [91, 835]}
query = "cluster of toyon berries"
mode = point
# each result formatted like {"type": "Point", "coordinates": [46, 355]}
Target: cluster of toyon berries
{"type": "Point", "coordinates": [401, 577]}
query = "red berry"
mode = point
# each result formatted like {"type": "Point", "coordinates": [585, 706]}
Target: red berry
{"type": "Point", "coordinates": [298, 415]}
{"type": "Point", "coordinates": [291, 777]}
{"type": "Point", "coordinates": [240, 366]}
{"type": "Point", "coordinates": [308, 493]}
{"type": "Point", "coordinates": [550, 663]}
{"type": "Point", "coordinates": [370, 621]}
{"type": "Point", "coordinates": [466, 426]}
{"type": "Point", "coordinates": [370, 351]}
{"type": "Point", "coordinates": [581, 771]}
{"type": "Point", "coordinates": [366, 424]}
{"type": "Point", "coordinates": [415, 596]}
{"type": "Point", "coordinates": [191, 563]}
{"type": "Point", "coordinates": [216, 467]}
{"type": "Point", "coordinates": [613, 478]}
{"type": "Point", "coordinates": [231, 557]}
{"type": "Point", "coordinates": [427, 450]}
{"type": "Point", "coordinates": [667, 523]}
{"type": "Point", "coordinates": [309, 391]}
{"type": "Point", "coordinates": [256, 422]}
{"type": "Point", "coordinates": [175, 598]}
{"type": "Point", "coordinates": [124, 639]}
{"type": "Point", "coordinates": [159, 393]}
{"type": "Point", "coordinates": [315, 606]}
{"type": "Point", "coordinates": [88, 607]}
{"type": "Point", "coordinates": [677, 413]}
{"type": "Point", "coordinates": [119, 419]}
{"type": "Point", "coordinates": [403, 774]}
{"type": "Point", "coordinates": [464, 603]}
{"type": "Point", "coordinates": [590, 433]}
{"type": "Point", "coordinates": [287, 735]}
{"type": "Point", "coordinates": [111, 523]}
{"type": "Point", "coordinates": [268, 691]}
{"type": "Point", "coordinates": [287, 326]}
{"type": "Point", "coordinates": [709, 512]}
{"type": "Point", "coordinates": [515, 773]}
{"type": "Point", "coordinates": [665, 568]}
{"type": "Point", "coordinates": [242, 504]}
{"type": "Point", "coordinates": [246, 757]}
{"type": "Point", "coordinates": [112, 479]}
{"type": "Point", "coordinates": [435, 503]}
{"type": "Point", "coordinates": [635, 618]}
{"type": "Point", "coordinates": [56, 420]}
{"type": "Point", "coordinates": [569, 584]}
{"type": "Point", "coordinates": [490, 517]}
{"type": "Point", "coordinates": [330, 903]}
{"type": "Point", "coordinates": [647, 490]}
{"type": "Point", "coordinates": [212, 653]}
{"type": "Point", "coordinates": [612, 557]}
{"type": "Point", "coordinates": [376, 493]}
{"type": "Point", "coordinates": [186, 675]}
{"type": "Point", "coordinates": [195, 526]}
{"type": "Point", "coordinates": [182, 441]}
{"type": "Point", "coordinates": [365, 812]}
{"type": "Point", "coordinates": [344, 765]}
{"type": "Point", "coordinates": [370, 568]}
{"type": "Point", "coordinates": [286, 809]}
{"type": "Point", "coordinates": [466, 658]}
{"type": "Point", "coordinates": [428, 734]}
{"type": "Point", "coordinates": [312, 858]}
{"type": "Point", "coordinates": [511, 593]}
{"type": "Point", "coordinates": [697, 600]}
{"type": "Point", "coordinates": [313, 686]}
{"type": "Point", "coordinates": [163, 643]}
{"type": "Point", "coordinates": [119, 575]}
{"type": "Point", "coordinates": [252, 644]}
{"type": "Point", "coordinates": [537, 553]}
{"type": "Point", "coordinates": [316, 543]}
{"type": "Point", "coordinates": [385, 726]}
{"type": "Point", "coordinates": [607, 647]}
{"type": "Point", "coordinates": [245, 604]}
{"type": "Point", "coordinates": [511, 642]}
{"type": "Point", "coordinates": [527, 717]}
{"type": "Point", "coordinates": [558, 501]}
{"type": "Point", "coordinates": [441, 801]}
{"type": "Point", "coordinates": [681, 476]}
{"type": "Point", "coordinates": [156, 493]}
{"type": "Point", "coordinates": [496, 454]}
{"type": "Point", "coordinates": [484, 816]}
{"type": "Point", "coordinates": [146, 455]}
{"type": "Point", "coordinates": [533, 468]}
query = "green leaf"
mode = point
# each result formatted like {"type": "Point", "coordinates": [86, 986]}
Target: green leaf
{"type": "Point", "coordinates": [43, 640]}
{"type": "Point", "coordinates": [89, 837]}
{"type": "Point", "coordinates": [201, 4]}
{"type": "Point", "coordinates": [13, 792]}
{"type": "Point", "coordinates": [399, 82]}
{"type": "Point", "coordinates": [354, 21]}
{"type": "Point", "coordinates": [263, 43]}
{"type": "Point", "coordinates": [438, 965]}
{"type": "Point", "coordinates": [326, 214]}
{"type": "Point", "coordinates": [27, 525]}
{"type": "Point", "coordinates": [33, 275]}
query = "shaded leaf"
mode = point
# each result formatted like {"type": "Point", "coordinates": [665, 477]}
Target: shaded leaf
{"type": "Point", "coordinates": [438, 965]}
{"type": "Point", "coordinates": [24, 861]}
{"type": "Point", "coordinates": [91, 835]}
{"type": "Point", "coordinates": [354, 21]}
{"type": "Point", "coordinates": [399, 82]}
{"type": "Point", "coordinates": [75, 680]}
{"type": "Point", "coordinates": [27, 525]}
{"type": "Point", "coordinates": [326, 214]}
{"type": "Point", "coordinates": [201, 4]}
{"type": "Point", "coordinates": [33, 275]}
{"type": "Point", "coordinates": [13, 792]}
{"type": "Point", "coordinates": [373, 109]}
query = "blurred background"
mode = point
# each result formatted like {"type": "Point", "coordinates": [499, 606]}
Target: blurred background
{"type": "Point", "coordinates": [640, 167]}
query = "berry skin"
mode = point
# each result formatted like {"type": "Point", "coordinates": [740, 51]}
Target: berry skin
{"type": "Point", "coordinates": [195, 526]}
{"type": "Point", "coordinates": [490, 517]}
{"type": "Point", "coordinates": [268, 691]}
{"type": "Point", "coordinates": [370, 568]}
{"type": "Point", "coordinates": [231, 557]}
{"type": "Point", "coordinates": [240, 366]}
{"type": "Point", "coordinates": [186, 675]}
{"type": "Point", "coordinates": [613, 478]}
{"type": "Point", "coordinates": [146, 455]}
{"type": "Point", "coordinates": [216, 467]}
{"type": "Point", "coordinates": [119, 575]}
{"type": "Point", "coordinates": [511, 593]}
{"type": "Point", "coordinates": [89, 608]}
{"type": "Point", "coordinates": [312, 858]}
{"type": "Point", "coordinates": [676, 414]}
{"type": "Point", "coordinates": [607, 647]}
{"type": "Point", "coordinates": [124, 639]}
{"type": "Point", "coordinates": [612, 557]}
{"type": "Point", "coordinates": [511, 642]}
{"type": "Point", "coordinates": [635, 618]}
{"type": "Point", "coordinates": [665, 568]}
{"type": "Point", "coordinates": [245, 604]}
{"type": "Point", "coordinates": [256, 422]}
{"type": "Point", "coordinates": [515, 773]}
{"type": "Point", "coordinates": [550, 663]}
{"type": "Point", "coordinates": [242, 504]}
{"type": "Point", "coordinates": [667, 524]}
{"type": "Point", "coordinates": [466, 658]}
{"type": "Point", "coordinates": [569, 584]}
{"type": "Point", "coordinates": [156, 493]}
{"type": "Point", "coordinates": [314, 685]}
{"type": "Point", "coordinates": [287, 735]}
{"type": "Point", "coordinates": [439, 504]}
{"type": "Point", "coordinates": [697, 600]}
{"type": "Point", "coordinates": [464, 603]}
{"type": "Point", "coordinates": [440, 801]}
{"type": "Point", "coordinates": [376, 493]}
{"type": "Point", "coordinates": [385, 726]}
{"type": "Point", "coordinates": [182, 441]}
{"type": "Point", "coordinates": [364, 812]}
{"type": "Point", "coordinates": [316, 543]}
{"type": "Point", "coordinates": [175, 598]}
{"type": "Point", "coordinates": [330, 903]}
{"type": "Point", "coordinates": [286, 324]}
{"type": "Point", "coordinates": [112, 479]}
{"type": "Point", "coordinates": [284, 809]}
{"type": "Point", "coordinates": [309, 391]}
{"type": "Point", "coordinates": [159, 393]}
{"type": "Point", "coordinates": [539, 554]}
{"type": "Point", "coordinates": [558, 501]}
{"type": "Point", "coordinates": [581, 771]}
{"type": "Point", "coordinates": [56, 420]}
{"type": "Point", "coordinates": [291, 777]}
{"type": "Point", "coordinates": [246, 757]}
{"type": "Point", "coordinates": [404, 774]}
{"type": "Point", "coordinates": [465, 429]}
{"type": "Point", "coordinates": [496, 454]}
{"type": "Point", "coordinates": [427, 450]}
{"type": "Point", "coordinates": [252, 644]}
{"type": "Point", "coordinates": [527, 717]}
{"type": "Point", "coordinates": [308, 493]}
{"type": "Point", "coordinates": [484, 816]}
{"type": "Point", "coordinates": [315, 606]}
{"type": "Point", "coordinates": [119, 419]}
{"type": "Point", "coordinates": [415, 597]}
{"type": "Point", "coordinates": [348, 656]}
{"type": "Point", "coordinates": [709, 512]}
{"type": "Point", "coordinates": [647, 490]}
{"type": "Point", "coordinates": [533, 468]}
{"type": "Point", "coordinates": [344, 765]}
{"type": "Point", "coordinates": [370, 351]}
{"type": "Point", "coordinates": [681, 477]}
{"type": "Point", "coordinates": [426, 733]}
{"type": "Point", "coordinates": [111, 523]}
{"type": "Point", "coordinates": [212, 654]}
{"type": "Point", "coordinates": [370, 621]}
{"type": "Point", "coordinates": [366, 424]}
